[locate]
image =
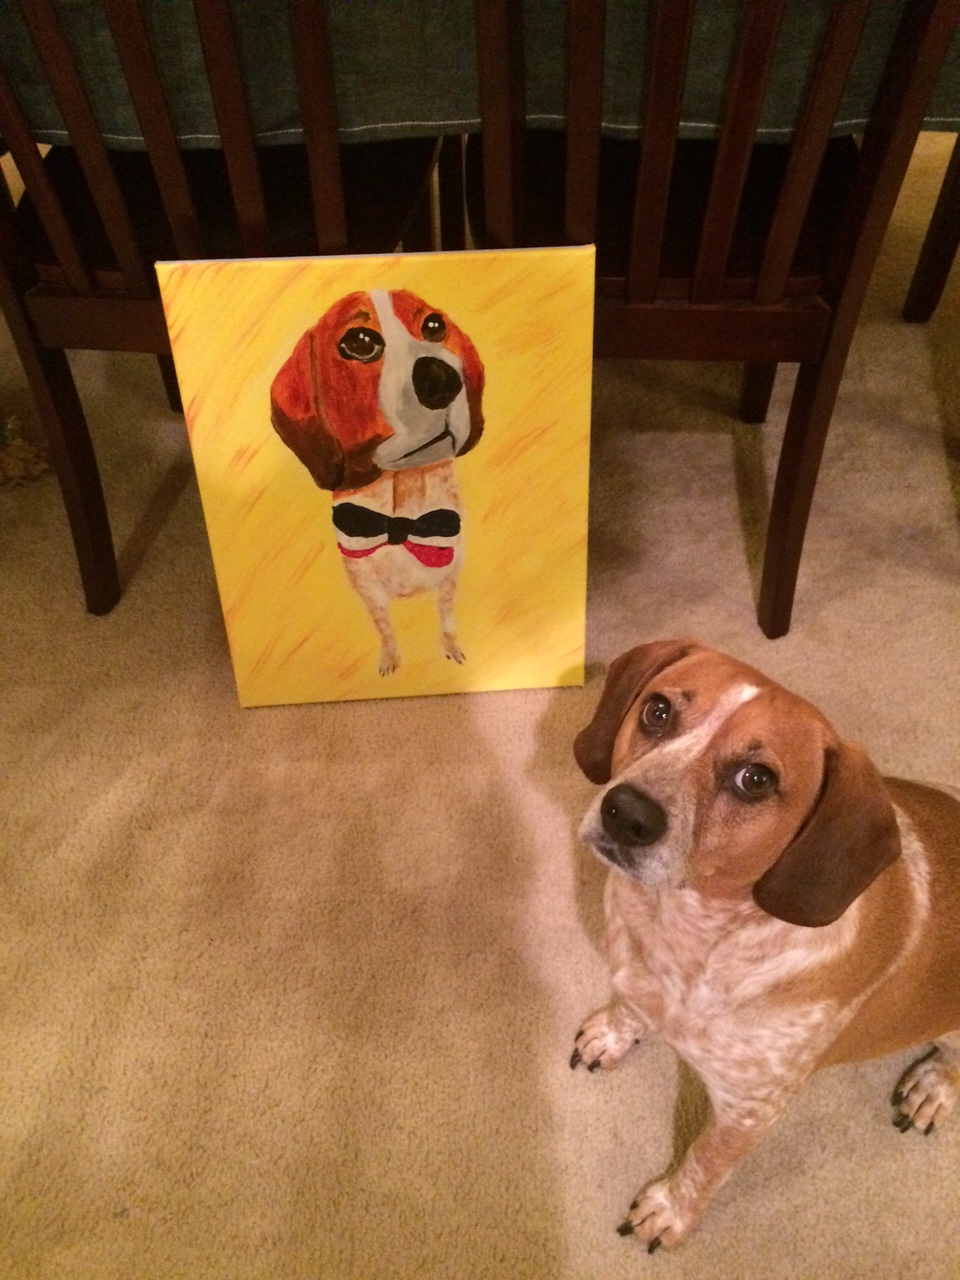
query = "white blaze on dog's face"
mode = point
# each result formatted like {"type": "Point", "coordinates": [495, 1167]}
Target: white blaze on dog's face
{"type": "Point", "coordinates": [422, 389]}
{"type": "Point", "coordinates": [712, 776]}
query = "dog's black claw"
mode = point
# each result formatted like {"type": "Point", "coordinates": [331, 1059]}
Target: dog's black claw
{"type": "Point", "coordinates": [928, 1130]}
{"type": "Point", "coordinates": [634, 1204]}
{"type": "Point", "coordinates": [654, 1244]}
{"type": "Point", "coordinates": [594, 1066]}
{"type": "Point", "coordinates": [903, 1123]}
{"type": "Point", "coordinates": [897, 1098]}
{"type": "Point", "coordinates": [575, 1059]}
{"type": "Point", "coordinates": [625, 1228]}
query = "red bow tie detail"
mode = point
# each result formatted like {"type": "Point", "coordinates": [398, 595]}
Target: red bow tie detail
{"type": "Point", "coordinates": [355, 521]}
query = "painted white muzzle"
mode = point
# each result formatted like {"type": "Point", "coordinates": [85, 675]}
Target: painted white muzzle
{"type": "Point", "coordinates": [421, 435]}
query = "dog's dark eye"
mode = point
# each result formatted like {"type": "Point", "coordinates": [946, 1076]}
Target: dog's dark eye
{"type": "Point", "coordinates": [434, 328]}
{"type": "Point", "coordinates": [361, 344]}
{"type": "Point", "coordinates": [657, 714]}
{"type": "Point", "coordinates": [755, 781]}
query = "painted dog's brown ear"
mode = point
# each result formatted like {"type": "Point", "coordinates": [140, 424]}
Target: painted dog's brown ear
{"type": "Point", "coordinates": [626, 676]}
{"type": "Point", "coordinates": [848, 839]}
{"type": "Point", "coordinates": [298, 420]}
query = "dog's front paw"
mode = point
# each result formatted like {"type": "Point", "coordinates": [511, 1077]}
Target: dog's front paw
{"type": "Point", "coordinates": [657, 1218]}
{"type": "Point", "coordinates": [926, 1093]}
{"type": "Point", "coordinates": [605, 1039]}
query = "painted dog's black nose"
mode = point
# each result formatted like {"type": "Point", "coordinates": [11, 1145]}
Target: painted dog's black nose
{"type": "Point", "coordinates": [435, 382]}
{"type": "Point", "coordinates": [630, 817]}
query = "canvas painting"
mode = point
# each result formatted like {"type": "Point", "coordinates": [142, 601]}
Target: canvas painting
{"type": "Point", "coordinates": [392, 454]}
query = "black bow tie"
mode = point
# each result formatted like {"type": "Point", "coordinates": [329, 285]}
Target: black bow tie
{"type": "Point", "coordinates": [361, 522]}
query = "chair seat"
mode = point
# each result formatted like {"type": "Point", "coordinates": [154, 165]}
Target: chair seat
{"type": "Point", "coordinates": [542, 219]}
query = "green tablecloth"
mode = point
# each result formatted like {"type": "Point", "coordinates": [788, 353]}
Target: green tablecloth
{"type": "Point", "coordinates": [407, 68]}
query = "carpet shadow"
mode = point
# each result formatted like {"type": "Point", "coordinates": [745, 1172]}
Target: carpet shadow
{"type": "Point", "coordinates": [153, 518]}
{"type": "Point", "coordinates": [698, 399]}
{"type": "Point", "coordinates": [306, 1037]}
{"type": "Point", "coordinates": [431, 1064]}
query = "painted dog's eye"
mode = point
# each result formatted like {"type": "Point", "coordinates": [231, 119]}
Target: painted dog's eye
{"type": "Point", "coordinates": [657, 714]}
{"type": "Point", "coordinates": [434, 328]}
{"type": "Point", "coordinates": [361, 344]}
{"type": "Point", "coordinates": [754, 782]}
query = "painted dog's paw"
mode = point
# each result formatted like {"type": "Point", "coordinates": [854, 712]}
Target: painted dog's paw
{"type": "Point", "coordinates": [656, 1219]}
{"type": "Point", "coordinates": [389, 661]}
{"type": "Point", "coordinates": [453, 650]}
{"type": "Point", "coordinates": [605, 1039]}
{"type": "Point", "coordinates": [926, 1093]}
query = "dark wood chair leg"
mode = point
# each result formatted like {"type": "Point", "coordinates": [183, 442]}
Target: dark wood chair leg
{"type": "Point", "coordinates": [811, 409]}
{"type": "Point", "coordinates": [170, 384]}
{"type": "Point", "coordinates": [755, 391]}
{"type": "Point", "coordinates": [71, 451]}
{"type": "Point", "coordinates": [939, 247]}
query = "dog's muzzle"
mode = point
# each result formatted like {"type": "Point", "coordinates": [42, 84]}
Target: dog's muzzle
{"type": "Point", "coordinates": [630, 818]}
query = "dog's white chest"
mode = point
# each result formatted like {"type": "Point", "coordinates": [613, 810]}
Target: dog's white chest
{"type": "Point", "coordinates": [710, 980]}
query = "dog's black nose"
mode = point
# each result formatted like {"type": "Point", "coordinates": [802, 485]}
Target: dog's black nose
{"type": "Point", "coordinates": [630, 817]}
{"type": "Point", "coordinates": [435, 382]}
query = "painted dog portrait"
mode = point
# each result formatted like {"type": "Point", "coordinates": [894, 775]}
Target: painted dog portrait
{"type": "Point", "coordinates": [377, 400]}
{"type": "Point", "coordinates": [363, 546]}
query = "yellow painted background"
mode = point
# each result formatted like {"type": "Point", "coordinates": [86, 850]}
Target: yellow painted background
{"type": "Point", "coordinates": [297, 631]}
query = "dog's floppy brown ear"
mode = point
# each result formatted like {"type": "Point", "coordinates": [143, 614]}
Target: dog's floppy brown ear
{"type": "Point", "coordinates": [845, 843]}
{"type": "Point", "coordinates": [626, 676]}
{"type": "Point", "coordinates": [297, 418]}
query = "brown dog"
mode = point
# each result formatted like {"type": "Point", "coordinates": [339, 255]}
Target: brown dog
{"type": "Point", "coordinates": [774, 906]}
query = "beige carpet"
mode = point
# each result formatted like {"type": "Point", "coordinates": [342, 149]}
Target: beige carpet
{"type": "Point", "coordinates": [290, 993]}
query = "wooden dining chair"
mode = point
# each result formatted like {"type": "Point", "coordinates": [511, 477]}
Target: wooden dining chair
{"type": "Point", "coordinates": [77, 251]}
{"type": "Point", "coordinates": [707, 248]}
{"type": "Point", "coordinates": [724, 249]}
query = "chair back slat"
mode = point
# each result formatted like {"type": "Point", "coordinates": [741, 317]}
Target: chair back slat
{"type": "Point", "coordinates": [668, 47]}
{"type": "Point", "coordinates": [586, 22]}
{"type": "Point", "coordinates": [747, 86]}
{"type": "Point", "coordinates": [834, 60]}
{"type": "Point", "coordinates": [225, 75]}
{"type": "Point", "coordinates": [500, 71]}
{"type": "Point", "coordinates": [56, 225]}
{"type": "Point", "coordinates": [313, 64]}
{"type": "Point", "coordinates": [71, 98]}
{"type": "Point", "coordinates": [920, 46]}
{"type": "Point", "coordinates": [132, 44]}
